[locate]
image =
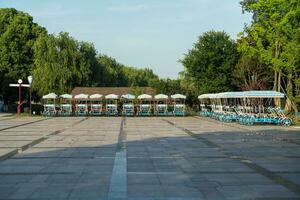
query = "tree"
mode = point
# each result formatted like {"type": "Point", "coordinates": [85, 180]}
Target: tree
{"type": "Point", "coordinates": [115, 75]}
{"type": "Point", "coordinates": [18, 34]}
{"type": "Point", "coordinates": [61, 63]}
{"type": "Point", "coordinates": [275, 30]}
{"type": "Point", "coordinates": [167, 86]}
{"type": "Point", "coordinates": [140, 77]}
{"type": "Point", "coordinates": [209, 65]}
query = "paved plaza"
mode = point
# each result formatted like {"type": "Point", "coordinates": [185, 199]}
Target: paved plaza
{"type": "Point", "coordinates": [184, 158]}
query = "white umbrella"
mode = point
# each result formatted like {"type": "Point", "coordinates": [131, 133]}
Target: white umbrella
{"type": "Point", "coordinates": [128, 96]}
{"type": "Point", "coordinates": [96, 96]}
{"type": "Point", "coordinates": [178, 96]}
{"type": "Point", "coordinates": [111, 96]}
{"type": "Point", "coordinates": [50, 96]}
{"type": "Point", "coordinates": [66, 96]}
{"type": "Point", "coordinates": [161, 96]}
{"type": "Point", "coordinates": [144, 96]}
{"type": "Point", "coordinates": [81, 96]}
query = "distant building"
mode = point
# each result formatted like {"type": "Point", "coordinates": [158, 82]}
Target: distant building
{"type": "Point", "coordinates": [113, 90]}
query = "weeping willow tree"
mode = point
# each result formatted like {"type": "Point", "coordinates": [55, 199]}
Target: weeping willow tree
{"type": "Point", "coordinates": [60, 64]}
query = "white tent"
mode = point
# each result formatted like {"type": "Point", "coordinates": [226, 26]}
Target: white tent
{"type": "Point", "coordinates": [50, 96]}
{"type": "Point", "coordinates": [66, 96]}
{"type": "Point", "coordinates": [81, 96]}
{"type": "Point", "coordinates": [263, 94]}
{"type": "Point", "coordinates": [161, 96]}
{"type": "Point", "coordinates": [128, 96]}
{"type": "Point", "coordinates": [111, 96]}
{"type": "Point", "coordinates": [178, 96]}
{"type": "Point", "coordinates": [96, 96]}
{"type": "Point", "coordinates": [244, 94]}
{"type": "Point", "coordinates": [144, 96]}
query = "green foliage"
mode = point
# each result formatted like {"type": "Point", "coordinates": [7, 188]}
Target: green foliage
{"type": "Point", "coordinates": [209, 65]}
{"type": "Point", "coordinates": [61, 63]}
{"type": "Point", "coordinates": [275, 41]}
{"type": "Point", "coordinates": [18, 33]}
{"type": "Point", "coordinates": [167, 86]}
{"type": "Point", "coordinates": [140, 77]}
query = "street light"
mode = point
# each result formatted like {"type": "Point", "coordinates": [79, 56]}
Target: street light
{"type": "Point", "coordinates": [29, 78]}
{"type": "Point", "coordinates": [19, 102]}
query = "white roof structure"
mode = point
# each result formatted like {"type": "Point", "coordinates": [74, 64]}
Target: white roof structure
{"type": "Point", "coordinates": [81, 96]}
{"type": "Point", "coordinates": [263, 94]}
{"type": "Point", "coordinates": [50, 96]}
{"type": "Point", "coordinates": [244, 94]}
{"type": "Point", "coordinates": [111, 96]}
{"type": "Point", "coordinates": [128, 96]}
{"type": "Point", "coordinates": [206, 96]}
{"type": "Point", "coordinates": [66, 96]}
{"type": "Point", "coordinates": [178, 96]}
{"type": "Point", "coordinates": [144, 96]}
{"type": "Point", "coordinates": [96, 96]}
{"type": "Point", "coordinates": [161, 96]}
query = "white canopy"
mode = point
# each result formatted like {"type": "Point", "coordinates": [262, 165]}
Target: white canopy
{"type": "Point", "coordinates": [161, 96]}
{"type": "Point", "coordinates": [50, 96]}
{"type": "Point", "coordinates": [128, 96]}
{"type": "Point", "coordinates": [81, 96]}
{"type": "Point", "coordinates": [96, 96]}
{"type": "Point", "coordinates": [244, 94]}
{"type": "Point", "coordinates": [205, 96]}
{"type": "Point", "coordinates": [263, 94]}
{"type": "Point", "coordinates": [111, 96]}
{"type": "Point", "coordinates": [178, 96]}
{"type": "Point", "coordinates": [144, 96]}
{"type": "Point", "coordinates": [66, 96]}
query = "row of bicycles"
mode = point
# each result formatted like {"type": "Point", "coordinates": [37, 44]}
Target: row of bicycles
{"type": "Point", "coordinates": [269, 116]}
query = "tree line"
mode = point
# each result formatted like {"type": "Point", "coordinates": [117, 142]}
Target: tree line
{"type": "Point", "coordinates": [265, 55]}
{"type": "Point", "coordinates": [58, 63]}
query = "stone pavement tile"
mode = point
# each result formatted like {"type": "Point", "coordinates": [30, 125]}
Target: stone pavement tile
{"type": "Point", "coordinates": [89, 191]}
{"type": "Point", "coordinates": [143, 179]}
{"type": "Point", "coordinates": [24, 191]}
{"type": "Point", "coordinates": [20, 169]}
{"type": "Point", "coordinates": [173, 179]}
{"type": "Point", "coordinates": [139, 190]}
{"type": "Point", "coordinates": [223, 179]}
{"type": "Point", "coordinates": [98, 168]}
{"type": "Point", "coordinates": [241, 192]}
{"type": "Point", "coordinates": [52, 191]}
{"type": "Point", "coordinates": [63, 178]}
{"type": "Point", "coordinates": [94, 178]}
{"type": "Point", "coordinates": [211, 194]}
{"type": "Point", "coordinates": [6, 190]}
{"type": "Point", "coordinates": [182, 191]}
{"type": "Point", "coordinates": [5, 152]}
{"type": "Point", "coordinates": [253, 179]}
{"type": "Point", "coordinates": [139, 167]}
{"type": "Point", "coordinates": [271, 191]}
{"type": "Point", "coordinates": [294, 177]}
{"type": "Point", "coordinates": [15, 179]}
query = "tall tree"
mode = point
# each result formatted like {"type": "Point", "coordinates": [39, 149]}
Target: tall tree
{"type": "Point", "coordinates": [275, 30]}
{"type": "Point", "coordinates": [61, 63]}
{"type": "Point", "coordinates": [210, 64]}
{"type": "Point", "coordinates": [18, 34]}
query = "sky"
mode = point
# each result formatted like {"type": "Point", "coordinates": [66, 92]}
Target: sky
{"type": "Point", "coordinates": [140, 33]}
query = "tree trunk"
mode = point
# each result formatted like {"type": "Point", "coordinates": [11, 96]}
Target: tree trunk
{"type": "Point", "coordinates": [275, 80]}
{"type": "Point", "coordinates": [290, 105]}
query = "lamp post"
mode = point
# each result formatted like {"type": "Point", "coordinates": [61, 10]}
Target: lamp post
{"type": "Point", "coordinates": [29, 78]}
{"type": "Point", "coordinates": [19, 102]}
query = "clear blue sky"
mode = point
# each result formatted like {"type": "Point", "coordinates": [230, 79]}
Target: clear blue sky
{"type": "Point", "coordinates": [140, 33]}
